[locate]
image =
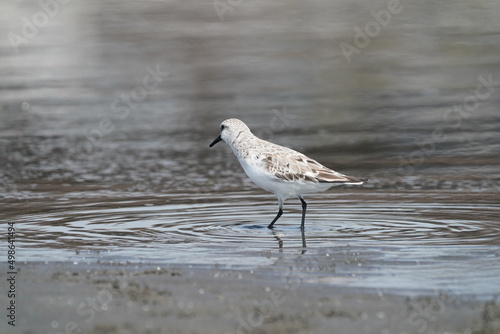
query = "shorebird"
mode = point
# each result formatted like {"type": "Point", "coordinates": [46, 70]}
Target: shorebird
{"type": "Point", "coordinates": [278, 169]}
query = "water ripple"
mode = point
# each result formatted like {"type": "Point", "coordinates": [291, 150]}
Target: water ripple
{"type": "Point", "coordinates": [413, 235]}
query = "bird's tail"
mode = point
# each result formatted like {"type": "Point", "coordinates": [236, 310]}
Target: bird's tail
{"type": "Point", "coordinates": [355, 180]}
{"type": "Point", "coordinates": [330, 176]}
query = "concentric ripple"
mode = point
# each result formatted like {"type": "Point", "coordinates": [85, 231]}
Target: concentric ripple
{"type": "Point", "coordinates": [361, 233]}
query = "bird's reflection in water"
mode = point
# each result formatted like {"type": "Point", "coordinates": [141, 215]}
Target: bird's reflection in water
{"type": "Point", "coordinates": [280, 241]}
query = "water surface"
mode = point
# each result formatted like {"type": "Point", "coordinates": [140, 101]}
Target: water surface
{"type": "Point", "coordinates": [87, 176]}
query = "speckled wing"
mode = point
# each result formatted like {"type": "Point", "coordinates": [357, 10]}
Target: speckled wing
{"type": "Point", "coordinates": [289, 165]}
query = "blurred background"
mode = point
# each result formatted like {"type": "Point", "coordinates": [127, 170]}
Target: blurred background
{"type": "Point", "coordinates": [109, 105]}
{"type": "Point", "coordinates": [382, 108]}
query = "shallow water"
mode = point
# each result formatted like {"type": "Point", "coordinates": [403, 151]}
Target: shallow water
{"type": "Point", "coordinates": [88, 177]}
{"type": "Point", "coordinates": [360, 238]}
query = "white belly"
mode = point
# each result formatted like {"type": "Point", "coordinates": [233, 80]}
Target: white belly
{"type": "Point", "coordinates": [281, 188]}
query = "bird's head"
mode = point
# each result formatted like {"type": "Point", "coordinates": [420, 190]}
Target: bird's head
{"type": "Point", "coordinates": [230, 129]}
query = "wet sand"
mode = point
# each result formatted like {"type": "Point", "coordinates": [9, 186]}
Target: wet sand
{"type": "Point", "coordinates": [107, 298]}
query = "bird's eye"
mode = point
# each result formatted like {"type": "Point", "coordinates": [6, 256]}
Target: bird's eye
{"type": "Point", "coordinates": [222, 127]}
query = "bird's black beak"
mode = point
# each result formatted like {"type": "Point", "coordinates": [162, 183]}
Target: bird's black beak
{"type": "Point", "coordinates": [216, 140]}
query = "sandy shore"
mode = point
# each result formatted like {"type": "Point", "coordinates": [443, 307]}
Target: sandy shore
{"type": "Point", "coordinates": [107, 298]}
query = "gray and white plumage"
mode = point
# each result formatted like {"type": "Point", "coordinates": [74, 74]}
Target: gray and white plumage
{"type": "Point", "coordinates": [278, 169]}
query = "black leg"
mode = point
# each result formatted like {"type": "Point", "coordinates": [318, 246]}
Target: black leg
{"type": "Point", "coordinates": [280, 212]}
{"type": "Point", "coordinates": [304, 246]}
{"type": "Point", "coordinates": [304, 207]}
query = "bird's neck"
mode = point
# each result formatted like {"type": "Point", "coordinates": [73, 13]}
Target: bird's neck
{"type": "Point", "coordinates": [243, 143]}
